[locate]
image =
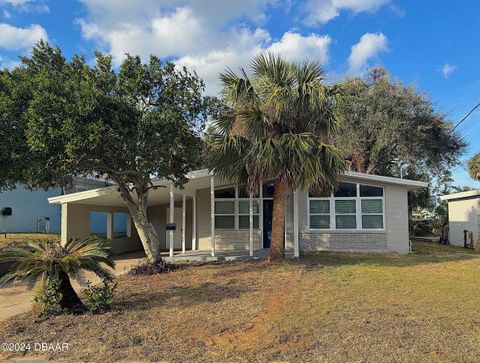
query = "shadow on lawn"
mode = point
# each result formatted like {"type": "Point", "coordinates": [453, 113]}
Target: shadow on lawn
{"type": "Point", "coordinates": [207, 292]}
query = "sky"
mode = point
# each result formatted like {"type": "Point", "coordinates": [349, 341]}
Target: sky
{"type": "Point", "coordinates": [432, 45]}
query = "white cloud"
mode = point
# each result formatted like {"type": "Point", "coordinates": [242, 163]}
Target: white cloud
{"type": "Point", "coordinates": [322, 11]}
{"type": "Point", "coordinates": [296, 47]}
{"type": "Point", "coordinates": [204, 35]}
{"type": "Point", "coordinates": [8, 63]}
{"type": "Point", "coordinates": [13, 38]}
{"type": "Point", "coordinates": [448, 69]}
{"type": "Point", "coordinates": [369, 46]}
{"type": "Point", "coordinates": [37, 6]}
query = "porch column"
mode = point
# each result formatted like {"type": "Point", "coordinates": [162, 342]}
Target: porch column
{"type": "Point", "coordinates": [194, 222]}
{"type": "Point", "coordinates": [110, 225]}
{"type": "Point", "coordinates": [129, 226]}
{"type": "Point", "coordinates": [184, 221]}
{"type": "Point", "coordinates": [296, 250]}
{"type": "Point", "coordinates": [64, 224]}
{"type": "Point", "coordinates": [251, 224]}
{"type": "Point", "coordinates": [171, 217]}
{"type": "Point", "coordinates": [212, 215]}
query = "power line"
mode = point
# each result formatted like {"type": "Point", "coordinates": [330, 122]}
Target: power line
{"type": "Point", "coordinates": [463, 119]}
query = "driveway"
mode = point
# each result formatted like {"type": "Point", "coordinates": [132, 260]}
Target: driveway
{"type": "Point", "coordinates": [17, 299]}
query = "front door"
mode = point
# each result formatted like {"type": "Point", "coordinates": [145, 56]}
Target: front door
{"type": "Point", "coordinates": [267, 222]}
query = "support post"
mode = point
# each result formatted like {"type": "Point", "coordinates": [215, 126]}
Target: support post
{"type": "Point", "coordinates": [251, 224]}
{"type": "Point", "coordinates": [184, 221]}
{"type": "Point", "coordinates": [212, 215]}
{"type": "Point", "coordinates": [171, 219]}
{"type": "Point", "coordinates": [194, 222]}
{"type": "Point", "coordinates": [109, 225]}
{"type": "Point", "coordinates": [296, 249]}
{"type": "Point", "coordinates": [64, 224]}
{"type": "Point", "coordinates": [129, 226]}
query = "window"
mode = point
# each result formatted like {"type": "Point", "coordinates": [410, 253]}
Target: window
{"type": "Point", "coordinates": [98, 224]}
{"type": "Point", "coordinates": [346, 190]}
{"type": "Point", "coordinates": [225, 193]}
{"type": "Point", "coordinates": [346, 214]}
{"type": "Point", "coordinates": [120, 228]}
{"type": "Point", "coordinates": [225, 215]}
{"type": "Point", "coordinates": [372, 213]}
{"type": "Point", "coordinates": [232, 209]}
{"type": "Point", "coordinates": [320, 214]}
{"type": "Point", "coordinates": [351, 206]}
{"type": "Point", "coordinates": [370, 191]}
{"type": "Point", "coordinates": [244, 214]}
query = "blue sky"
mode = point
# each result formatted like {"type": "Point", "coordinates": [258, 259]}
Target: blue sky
{"type": "Point", "coordinates": [437, 49]}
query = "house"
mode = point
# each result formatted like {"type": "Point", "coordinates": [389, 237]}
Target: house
{"type": "Point", "coordinates": [463, 211]}
{"type": "Point", "coordinates": [30, 210]}
{"type": "Point", "coordinates": [366, 213]}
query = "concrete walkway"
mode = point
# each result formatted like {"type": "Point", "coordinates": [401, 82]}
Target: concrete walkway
{"type": "Point", "coordinates": [17, 299]}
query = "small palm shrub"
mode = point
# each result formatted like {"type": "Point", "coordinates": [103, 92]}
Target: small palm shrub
{"type": "Point", "coordinates": [100, 298]}
{"type": "Point", "coordinates": [49, 264]}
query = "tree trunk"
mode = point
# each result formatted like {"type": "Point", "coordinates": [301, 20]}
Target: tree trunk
{"type": "Point", "coordinates": [137, 207]}
{"type": "Point", "coordinates": [70, 300]}
{"type": "Point", "coordinates": [277, 246]}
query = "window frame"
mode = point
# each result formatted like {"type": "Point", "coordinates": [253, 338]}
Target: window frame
{"type": "Point", "coordinates": [358, 211]}
{"type": "Point", "coordinates": [236, 215]}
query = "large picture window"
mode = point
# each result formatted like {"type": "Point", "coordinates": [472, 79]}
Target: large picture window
{"type": "Point", "coordinates": [351, 207]}
{"type": "Point", "coordinates": [232, 209]}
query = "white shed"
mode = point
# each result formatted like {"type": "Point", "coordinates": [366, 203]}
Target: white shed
{"type": "Point", "coordinates": [463, 210]}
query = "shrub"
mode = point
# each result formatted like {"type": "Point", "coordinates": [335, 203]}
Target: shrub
{"type": "Point", "coordinates": [47, 260]}
{"type": "Point", "coordinates": [158, 267]}
{"type": "Point", "coordinates": [47, 300]}
{"type": "Point", "coordinates": [100, 298]}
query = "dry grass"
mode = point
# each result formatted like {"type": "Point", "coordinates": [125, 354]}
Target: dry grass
{"type": "Point", "coordinates": [25, 237]}
{"type": "Point", "coordinates": [328, 307]}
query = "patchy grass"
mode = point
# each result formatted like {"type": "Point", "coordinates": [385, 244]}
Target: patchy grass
{"type": "Point", "coordinates": [326, 307]}
{"type": "Point", "coordinates": [25, 237]}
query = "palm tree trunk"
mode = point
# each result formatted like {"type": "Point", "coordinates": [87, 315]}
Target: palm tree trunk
{"type": "Point", "coordinates": [277, 247]}
{"type": "Point", "coordinates": [70, 300]}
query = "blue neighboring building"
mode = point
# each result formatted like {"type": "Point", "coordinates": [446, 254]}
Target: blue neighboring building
{"type": "Point", "coordinates": [31, 211]}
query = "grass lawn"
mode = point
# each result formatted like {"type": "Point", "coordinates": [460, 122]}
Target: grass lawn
{"type": "Point", "coordinates": [25, 237]}
{"type": "Point", "coordinates": [328, 307]}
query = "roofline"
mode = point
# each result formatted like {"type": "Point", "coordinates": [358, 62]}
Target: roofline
{"type": "Point", "coordinates": [202, 173]}
{"type": "Point", "coordinates": [461, 195]}
{"type": "Point", "coordinates": [416, 184]}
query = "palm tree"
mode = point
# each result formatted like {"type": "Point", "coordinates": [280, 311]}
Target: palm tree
{"type": "Point", "coordinates": [39, 261]}
{"type": "Point", "coordinates": [275, 125]}
{"type": "Point", "coordinates": [473, 166]}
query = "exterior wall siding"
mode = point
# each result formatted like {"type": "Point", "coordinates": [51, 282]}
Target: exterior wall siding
{"type": "Point", "coordinates": [462, 215]}
{"type": "Point", "coordinates": [75, 222]}
{"type": "Point", "coordinates": [394, 238]}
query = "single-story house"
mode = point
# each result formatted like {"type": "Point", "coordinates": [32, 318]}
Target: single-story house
{"type": "Point", "coordinates": [26, 211]}
{"type": "Point", "coordinates": [463, 215]}
{"type": "Point", "coordinates": [366, 213]}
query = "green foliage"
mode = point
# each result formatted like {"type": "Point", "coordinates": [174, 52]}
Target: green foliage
{"type": "Point", "coordinates": [100, 298]}
{"type": "Point", "coordinates": [64, 118]}
{"type": "Point", "coordinates": [473, 166]}
{"type": "Point", "coordinates": [387, 124]}
{"type": "Point", "coordinates": [42, 259]}
{"type": "Point", "coordinates": [48, 299]}
{"type": "Point", "coordinates": [275, 125]}
{"type": "Point", "coordinates": [82, 119]}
